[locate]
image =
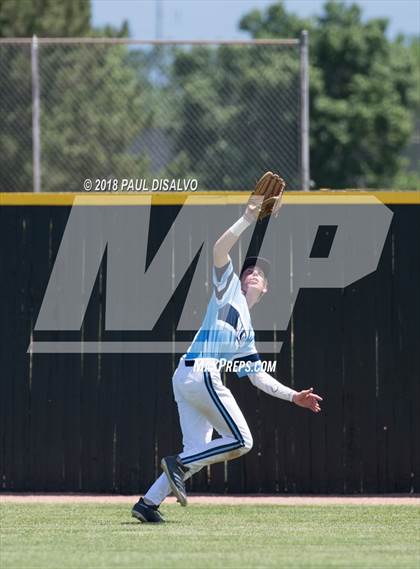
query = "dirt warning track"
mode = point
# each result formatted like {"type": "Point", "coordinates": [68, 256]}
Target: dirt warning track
{"type": "Point", "coordinates": [403, 499]}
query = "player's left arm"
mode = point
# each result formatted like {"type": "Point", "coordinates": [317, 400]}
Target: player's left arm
{"type": "Point", "coordinates": [305, 398]}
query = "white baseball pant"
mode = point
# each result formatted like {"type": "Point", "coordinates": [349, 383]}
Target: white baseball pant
{"type": "Point", "coordinates": [204, 404]}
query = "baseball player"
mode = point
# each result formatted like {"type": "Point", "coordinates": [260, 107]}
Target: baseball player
{"type": "Point", "coordinates": [204, 403]}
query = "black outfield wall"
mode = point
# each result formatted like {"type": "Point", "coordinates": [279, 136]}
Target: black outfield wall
{"type": "Point", "coordinates": [101, 422]}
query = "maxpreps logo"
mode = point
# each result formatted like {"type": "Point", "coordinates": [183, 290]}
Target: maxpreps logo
{"type": "Point", "coordinates": [138, 288]}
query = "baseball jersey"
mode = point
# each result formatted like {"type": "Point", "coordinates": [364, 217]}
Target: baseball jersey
{"type": "Point", "coordinates": [226, 332]}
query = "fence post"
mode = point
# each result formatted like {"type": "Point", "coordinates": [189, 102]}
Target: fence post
{"type": "Point", "coordinates": [304, 109]}
{"type": "Point", "coordinates": [36, 139]}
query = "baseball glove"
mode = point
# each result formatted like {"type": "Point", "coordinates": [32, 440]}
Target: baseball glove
{"type": "Point", "coordinates": [267, 194]}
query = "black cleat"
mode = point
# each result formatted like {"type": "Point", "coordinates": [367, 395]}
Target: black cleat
{"type": "Point", "coordinates": [145, 513]}
{"type": "Point", "coordinates": [175, 472]}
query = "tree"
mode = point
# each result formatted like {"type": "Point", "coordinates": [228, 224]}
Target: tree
{"type": "Point", "coordinates": [91, 116]}
{"type": "Point", "coordinates": [361, 93]}
{"type": "Point", "coordinates": [91, 100]}
{"type": "Point", "coordinates": [409, 178]}
{"type": "Point", "coordinates": [46, 18]}
{"type": "Point", "coordinates": [237, 113]}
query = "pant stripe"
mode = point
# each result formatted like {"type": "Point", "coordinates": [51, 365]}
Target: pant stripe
{"type": "Point", "coordinates": [230, 422]}
{"type": "Point", "coordinates": [212, 452]}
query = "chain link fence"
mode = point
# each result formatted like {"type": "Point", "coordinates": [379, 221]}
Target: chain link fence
{"type": "Point", "coordinates": [122, 109]}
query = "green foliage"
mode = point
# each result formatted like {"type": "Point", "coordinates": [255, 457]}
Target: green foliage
{"type": "Point", "coordinates": [232, 119]}
{"type": "Point", "coordinates": [15, 119]}
{"type": "Point", "coordinates": [90, 116]}
{"type": "Point", "coordinates": [92, 107]}
{"type": "Point", "coordinates": [45, 18]}
{"type": "Point", "coordinates": [276, 22]}
{"type": "Point", "coordinates": [408, 180]}
{"type": "Point", "coordinates": [362, 91]}
{"type": "Point", "coordinates": [414, 54]}
{"type": "Point", "coordinates": [222, 115]}
{"type": "Point", "coordinates": [236, 114]}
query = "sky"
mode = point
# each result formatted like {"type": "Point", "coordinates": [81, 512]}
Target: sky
{"type": "Point", "coordinates": [218, 19]}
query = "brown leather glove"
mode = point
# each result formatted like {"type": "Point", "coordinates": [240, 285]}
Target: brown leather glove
{"type": "Point", "coordinates": [270, 188]}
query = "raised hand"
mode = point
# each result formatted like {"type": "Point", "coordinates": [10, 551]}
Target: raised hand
{"type": "Point", "coordinates": [253, 208]}
{"type": "Point", "coordinates": [266, 198]}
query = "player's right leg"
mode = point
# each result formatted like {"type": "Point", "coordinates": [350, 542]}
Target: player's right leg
{"type": "Point", "coordinates": [196, 431]}
{"type": "Point", "coordinates": [146, 512]}
{"type": "Point", "coordinates": [205, 396]}
{"type": "Point", "coordinates": [216, 402]}
{"type": "Point", "coordinates": [203, 402]}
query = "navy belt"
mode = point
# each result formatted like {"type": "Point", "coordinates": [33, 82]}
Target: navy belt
{"type": "Point", "coordinates": [250, 358]}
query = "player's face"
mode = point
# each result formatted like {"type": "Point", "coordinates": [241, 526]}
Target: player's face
{"type": "Point", "coordinates": [254, 278]}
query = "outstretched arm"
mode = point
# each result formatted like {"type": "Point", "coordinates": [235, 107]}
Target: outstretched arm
{"type": "Point", "coordinates": [226, 241]}
{"type": "Point", "coordinates": [266, 198]}
{"type": "Point", "coordinates": [264, 381]}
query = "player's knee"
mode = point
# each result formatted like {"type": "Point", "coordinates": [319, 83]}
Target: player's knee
{"type": "Point", "coordinates": [247, 443]}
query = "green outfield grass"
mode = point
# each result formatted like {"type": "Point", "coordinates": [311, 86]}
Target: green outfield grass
{"type": "Point", "coordinates": [94, 536]}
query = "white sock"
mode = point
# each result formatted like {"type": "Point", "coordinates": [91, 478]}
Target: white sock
{"type": "Point", "coordinates": [158, 491]}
